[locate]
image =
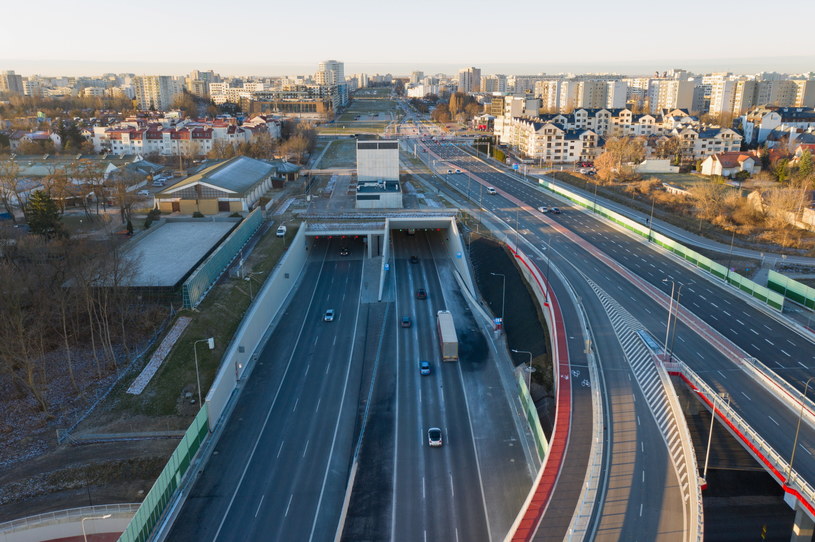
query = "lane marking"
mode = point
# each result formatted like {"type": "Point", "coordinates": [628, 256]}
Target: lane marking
{"type": "Point", "coordinates": [260, 503]}
{"type": "Point", "coordinates": [306, 449]}
{"type": "Point", "coordinates": [288, 505]}
{"type": "Point", "coordinates": [772, 420]}
{"type": "Point", "coordinates": [783, 352]}
{"type": "Point", "coordinates": [748, 397]}
{"type": "Point", "coordinates": [280, 449]}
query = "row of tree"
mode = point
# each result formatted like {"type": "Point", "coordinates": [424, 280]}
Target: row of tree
{"type": "Point", "coordinates": [68, 296]}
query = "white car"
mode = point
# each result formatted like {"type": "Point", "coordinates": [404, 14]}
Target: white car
{"type": "Point", "coordinates": [328, 316]}
{"type": "Point", "coordinates": [143, 192]}
{"type": "Point", "coordinates": [491, 191]}
{"type": "Point", "coordinates": [543, 209]}
{"type": "Point", "coordinates": [434, 437]}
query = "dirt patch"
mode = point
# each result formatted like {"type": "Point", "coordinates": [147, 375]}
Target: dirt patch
{"type": "Point", "coordinates": [523, 322]}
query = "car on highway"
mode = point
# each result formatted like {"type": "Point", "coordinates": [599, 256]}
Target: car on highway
{"type": "Point", "coordinates": [344, 251]}
{"type": "Point", "coordinates": [491, 191]}
{"type": "Point", "coordinates": [328, 316]}
{"type": "Point", "coordinates": [555, 210]}
{"type": "Point", "coordinates": [421, 293]}
{"type": "Point", "coordinates": [543, 209]}
{"type": "Point", "coordinates": [434, 437]}
{"type": "Point", "coordinates": [424, 368]}
{"type": "Point", "coordinates": [144, 192]}
{"type": "Point", "coordinates": [405, 322]}
{"type": "Point", "coordinates": [414, 259]}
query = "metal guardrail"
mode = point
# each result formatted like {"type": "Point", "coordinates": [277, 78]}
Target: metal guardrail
{"type": "Point", "coordinates": [787, 393]}
{"type": "Point", "coordinates": [756, 445]}
{"type": "Point", "coordinates": [63, 516]}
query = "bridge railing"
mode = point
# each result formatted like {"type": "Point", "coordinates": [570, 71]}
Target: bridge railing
{"type": "Point", "coordinates": [759, 448]}
{"type": "Point", "coordinates": [791, 396]}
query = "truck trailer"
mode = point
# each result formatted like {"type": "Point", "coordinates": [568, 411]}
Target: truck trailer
{"type": "Point", "coordinates": [447, 336]}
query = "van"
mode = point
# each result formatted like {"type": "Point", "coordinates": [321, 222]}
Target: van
{"type": "Point", "coordinates": [491, 191]}
{"type": "Point", "coordinates": [281, 231]}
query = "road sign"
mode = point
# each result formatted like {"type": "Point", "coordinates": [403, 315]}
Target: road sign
{"type": "Point", "coordinates": [515, 167]}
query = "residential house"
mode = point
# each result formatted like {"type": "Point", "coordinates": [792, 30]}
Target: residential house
{"type": "Point", "coordinates": [727, 164]}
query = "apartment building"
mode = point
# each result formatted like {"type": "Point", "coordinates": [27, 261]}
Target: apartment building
{"type": "Point", "coordinates": [760, 122]}
{"type": "Point", "coordinates": [10, 82]}
{"type": "Point", "coordinates": [469, 80]}
{"type": "Point", "coordinates": [330, 72]}
{"type": "Point", "coordinates": [156, 91]}
{"type": "Point", "coordinates": [699, 144]}
{"type": "Point", "coordinates": [186, 138]}
{"type": "Point", "coordinates": [670, 94]}
{"type": "Point", "coordinates": [494, 83]}
{"type": "Point", "coordinates": [552, 142]}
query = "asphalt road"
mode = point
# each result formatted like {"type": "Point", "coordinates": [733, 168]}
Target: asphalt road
{"type": "Point", "coordinates": [760, 335]}
{"type": "Point", "coordinates": [280, 468]}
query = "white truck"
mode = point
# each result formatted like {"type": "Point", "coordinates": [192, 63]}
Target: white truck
{"type": "Point", "coordinates": [447, 336]}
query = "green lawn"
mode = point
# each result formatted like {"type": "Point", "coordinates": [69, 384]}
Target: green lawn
{"type": "Point", "coordinates": [341, 154]}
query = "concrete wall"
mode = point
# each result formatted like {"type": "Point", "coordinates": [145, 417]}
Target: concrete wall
{"type": "Point", "coordinates": [656, 166]}
{"type": "Point", "coordinates": [457, 253]}
{"type": "Point", "coordinates": [255, 323]}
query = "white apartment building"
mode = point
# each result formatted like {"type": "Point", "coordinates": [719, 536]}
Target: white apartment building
{"type": "Point", "coordinates": [699, 144]}
{"type": "Point", "coordinates": [670, 94]}
{"type": "Point", "coordinates": [469, 80]}
{"type": "Point", "coordinates": [511, 107]}
{"type": "Point", "coordinates": [758, 123]}
{"type": "Point", "coordinates": [494, 83]}
{"type": "Point", "coordinates": [156, 91]}
{"type": "Point", "coordinates": [11, 82]}
{"type": "Point", "coordinates": [330, 72]}
{"type": "Point", "coordinates": [550, 142]}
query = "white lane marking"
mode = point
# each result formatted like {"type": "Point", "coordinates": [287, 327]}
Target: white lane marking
{"type": "Point", "coordinates": [335, 341]}
{"type": "Point", "coordinates": [261, 502]}
{"type": "Point", "coordinates": [643, 477]}
{"type": "Point", "coordinates": [287, 506]}
{"type": "Point", "coordinates": [739, 321]}
{"type": "Point", "coordinates": [802, 365]}
{"type": "Point", "coordinates": [714, 317]}
{"type": "Point", "coordinates": [640, 509]}
{"type": "Point", "coordinates": [754, 331]}
{"type": "Point", "coordinates": [721, 373]}
{"type": "Point", "coordinates": [638, 420]}
{"type": "Point", "coordinates": [748, 397]}
{"type": "Point", "coordinates": [714, 305]}
{"type": "Point", "coordinates": [296, 401]}
{"type": "Point", "coordinates": [280, 449]}
{"type": "Point", "coordinates": [317, 408]}
{"type": "Point", "coordinates": [765, 325]}
{"type": "Point", "coordinates": [783, 352]}
{"type": "Point", "coordinates": [424, 494]}
{"type": "Point", "coordinates": [452, 489]}
{"type": "Point", "coordinates": [804, 448]}
{"type": "Point", "coordinates": [771, 419]}
{"type": "Point", "coordinates": [306, 448]}
{"type": "Point", "coordinates": [769, 342]}
{"type": "Point", "coordinates": [734, 331]}
{"type": "Point", "coordinates": [642, 447]}
{"type": "Point", "coordinates": [792, 343]}
{"type": "Point", "coordinates": [682, 339]}
{"type": "Point", "coordinates": [727, 313]}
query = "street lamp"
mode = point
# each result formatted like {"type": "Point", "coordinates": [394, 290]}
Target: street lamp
{"type": "Point", "coordinates": [797, 430]}
{"type": "Point", "coordinates": [730, 258]}
{"type": "Point", "coordinates": [723, 396]}
{"type": "Point", "coordinates": [651, 219]}
{"type": "Point", "coordinates": [503, 292]}
{"type": "Point", "coordinates": [529, 369]}
{"type": "Point", "coordinates": [211, 344]}
{"type": "Point", "coordinates": [671, 313]}
{"type": "Point", "coordinates": [85, 536]}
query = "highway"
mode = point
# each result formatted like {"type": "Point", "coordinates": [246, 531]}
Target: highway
{"type": "Point", "coordinates": [705, 302]}
{"type": "Point", "coordinates": [279, 470]}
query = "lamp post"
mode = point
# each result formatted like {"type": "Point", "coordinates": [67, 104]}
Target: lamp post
{"type": "Point", "coordinates": [730, 257]}
{"type": "Point", "coordinates": [529, 369]}
{"type": "Point", "coordinates": [503, 292]}
{"type": "Point", "coordinates": [211, 343]}
{"type": "Point", "coordinates": [85, 536]}
{"type": "Point", "coordinates": [594, 210]}
{"type": "Point", "coordinates": [798, 430]}
{"type": "Point", "coordinates": [670, 311]}
{"type": "Point", "coordinates": [723, 396]}
{"type": "Point", "coordinates": [651, 219]}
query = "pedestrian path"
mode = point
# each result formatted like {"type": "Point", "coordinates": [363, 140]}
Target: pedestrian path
{"type": "Point", "coordinates": [159, 356]}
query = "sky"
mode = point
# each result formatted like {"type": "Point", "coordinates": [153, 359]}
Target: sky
{"type": "Point", "coordinates": [280, 37]}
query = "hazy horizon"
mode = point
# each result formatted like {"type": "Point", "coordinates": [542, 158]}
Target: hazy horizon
{"type": "Point", "coordinates": [75, 68]}
{"type": "Point", "coordinates": [53, 37]}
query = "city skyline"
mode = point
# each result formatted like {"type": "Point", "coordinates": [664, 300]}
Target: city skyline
{"type": "Point", "coordinates": [429, 36]}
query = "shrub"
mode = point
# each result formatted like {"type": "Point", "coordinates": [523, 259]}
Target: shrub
{"type": "Point", "coordinates": [197, 214]}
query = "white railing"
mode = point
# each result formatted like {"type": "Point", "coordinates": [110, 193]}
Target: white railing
{"type": "Point", "coordinates": [65, 516]}
{"type": "Point", "coordinates": [791, 396]}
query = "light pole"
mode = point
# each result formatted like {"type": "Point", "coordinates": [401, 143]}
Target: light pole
{"type": "Point", "coordinates": [651, 219]}
{"type": "Point", "coordinates": [211, 343]}
{"type": "Point", "coordinates": [723, 396]}
{"type": "Point", "coordinates": [670, 311]}
{"type": "Point", "coordinates": [503, 292]}
{"type": "Point", "coordinates": [730, 258]}
{"type": "Point", "coordinates": [248, 279]}
{"type": "Point", "coordinates": [595, 197]}
{"type": "Point", "coordinates": [798, 430]}
{"type": "Point", "coordinates": [529, 369]}
{"type": "Point", "coordinates": [85, 536]}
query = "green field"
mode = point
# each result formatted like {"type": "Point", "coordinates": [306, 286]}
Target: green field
{"type": "Point", "coordinates": [341, 154]}
{"type": "Point", "coordinates": [370, 111]}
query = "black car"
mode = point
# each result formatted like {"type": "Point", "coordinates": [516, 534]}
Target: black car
{"type": "Point", "coordinates": [421, 293]}
{"type": "Point", "coordinates": [344, 251]}
{"type": "Point", "coordinates": [555, 210]}
{"type": "Point", "coordinates": [414, 259]}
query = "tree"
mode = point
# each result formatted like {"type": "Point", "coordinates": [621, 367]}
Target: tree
{"type": "Point", "coordinates": [805, 165]}
{"type": "Point", "coordinates": [615, 161]}
{"type": "Point", "coordinates": [709, 197]}
{"type": "Point", "coordinates": [43, 216]}
{"type": "Point", "coordinates": [9, 187]}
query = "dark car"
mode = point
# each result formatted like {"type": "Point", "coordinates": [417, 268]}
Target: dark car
{"type": "Point", "coordinates": [555, 211]}
{"type": "Point", "coordinates": [406, 321]}
{"type": "Point", "coordinates": [344, 251]}
{"type": "Point", "coordinates": [414, 259]}
{"type": "Point", "coordinates": [421, 293]}
{"type": "Point", "coordinates": [424, 368]}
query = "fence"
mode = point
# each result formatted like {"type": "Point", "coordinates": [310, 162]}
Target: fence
{"type": "Point", "coordinates": [792, 289]}
{"type": "Point", "coordinates": [151, 509]}
{"type": "Point", "coordinates": [532, 418]}
{"type": "Point", "coordinates": [763, 294]}
{"type": "Point", "coordinates": [195, 288]}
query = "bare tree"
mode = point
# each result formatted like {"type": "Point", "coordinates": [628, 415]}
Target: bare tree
{"type": "Point", "coordinates": [10, 192]}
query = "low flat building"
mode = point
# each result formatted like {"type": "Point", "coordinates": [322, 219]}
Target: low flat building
{"type": "Point", "coordinates": [231, 186]}
{"type": "Point", "coordinates": [379, 195]}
